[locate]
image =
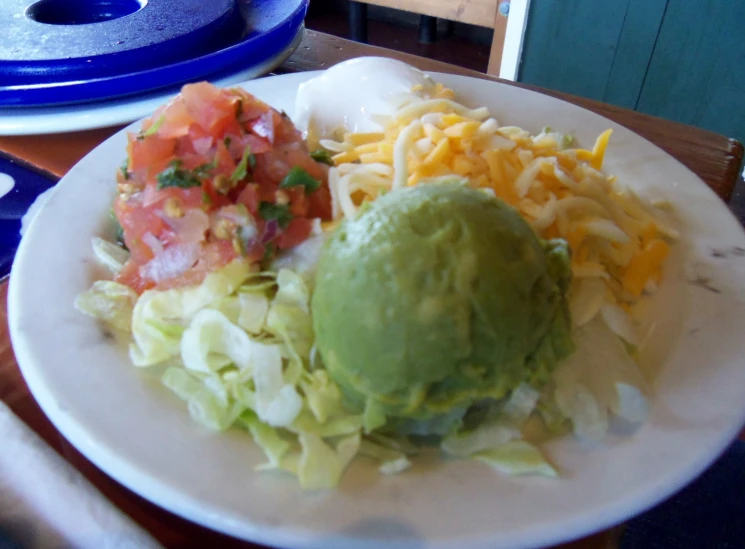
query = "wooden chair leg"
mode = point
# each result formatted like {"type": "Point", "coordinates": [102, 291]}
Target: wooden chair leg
{"type": "Point", "coordinates": [497, 44]}
{"type": "Point", "coordinates": [449, 29]}
{"type": "Point", "coordinates": [358, 22]}
{"type": "Point", "coordinates": [427, 29]}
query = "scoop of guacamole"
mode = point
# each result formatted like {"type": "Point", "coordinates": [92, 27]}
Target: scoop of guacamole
{"type": "Point", "coordinates": [435, 298]}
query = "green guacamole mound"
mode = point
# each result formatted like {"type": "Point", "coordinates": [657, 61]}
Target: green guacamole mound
{"type": "Point", "coordinates": [436, 297]}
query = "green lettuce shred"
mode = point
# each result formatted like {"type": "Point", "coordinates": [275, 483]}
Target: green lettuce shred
{"type": "Point", "coordinates": [108, 301]}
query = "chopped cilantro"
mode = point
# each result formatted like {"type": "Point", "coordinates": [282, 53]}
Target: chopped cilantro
{"type": "Point", "coordinates": [176, 176]}
{"type": "Point", "coordinates": [118, 231]}
{"type": "Point", "coordinates": [269, 251]}
{"type": "Point", "coordinates": [241, 170]}
{"type": "Point", "coordinates": [322, 156]}
{"type": "Point", "coordinates": [153, 128]}
{"type": "Point", "coordinates": [280, 212]}
{"type": "Point", "coordinates": [206, 199]}
{"type": "Point", "coordinates": [203, 170]}
{"type": "Point", "coordinates": [125, 169]}
{"type": "Point", "coordinates": [298, 177]}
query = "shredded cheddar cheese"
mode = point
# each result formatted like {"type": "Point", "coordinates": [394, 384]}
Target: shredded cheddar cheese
{"type": "Point", "coordinates": [619, 243]}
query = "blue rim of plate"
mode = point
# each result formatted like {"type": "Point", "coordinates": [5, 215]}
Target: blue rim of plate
{"type": "Point", "coordinates": [119, 111]}
{"type": "Point", "coordinates": [26, 184]}
{"type": "Point", "coordinates": [283, 19]}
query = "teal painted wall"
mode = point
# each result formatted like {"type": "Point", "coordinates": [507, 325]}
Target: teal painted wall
{"type": "Point", "coordinates": [679, 59]}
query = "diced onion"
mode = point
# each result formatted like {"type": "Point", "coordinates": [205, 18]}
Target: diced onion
{"type": "Point", "coordinates": [171, 262]}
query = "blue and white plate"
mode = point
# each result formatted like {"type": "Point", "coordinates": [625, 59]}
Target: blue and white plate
{"type": "Point", "coordinates": [19, 189]}
{"type": "Point", "coordinates": [274, 29]}
{"type": "Point", "coordinates": [70, 118]}
{"type": "Point", "coordinates": [269, 28]}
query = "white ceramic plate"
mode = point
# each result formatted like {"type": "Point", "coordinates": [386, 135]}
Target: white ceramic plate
{"type": "Point", "coordinates": [132, 428]}
{"type": "Point", "coordinates": [102, 114]}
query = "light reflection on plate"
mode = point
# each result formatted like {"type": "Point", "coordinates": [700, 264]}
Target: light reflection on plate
{"type": "Point", "coordinates": [133, 429]}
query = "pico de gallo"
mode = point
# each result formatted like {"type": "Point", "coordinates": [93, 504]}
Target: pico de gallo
{"type": "Point", "coordinates": [214, 175]}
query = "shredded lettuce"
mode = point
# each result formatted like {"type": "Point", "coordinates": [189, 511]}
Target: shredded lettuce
{"type": "Point", "coordinates": [274, 446]}
{"type": "Point", "coordinates": [207, 400]}
{"type": "Point", "coordinates": [322, 395]}
{"type": "Point", "coordinates": [392, 461]}
{"type": "Point", "coordinates": [108, 301]}
{"type": "Point", "coordinates": [521, 404]}
{"type": "Point", "coordinates": [289, 314]}
{"type": "Point", "coordinates": [484, 437]}
{"type": "Point", "coordinates": [599, 380]}
{"type": "Point", "coordinates": [303, 258]}
{"type": "Point", "coordinates": [212, 342]}
{"type": "Point", "coordinates": [277, 402]}
{"type": "Point", "coordinates": [517, 457]}
{"type": "Point", "coordinates": [112, 256]}
{"type": "Point", "coordinates": [253, 310]}
{"type": "Point", "coordinates": [156, 311]}
{"type": "Point", "coordinates": [321, 464]}
{"type": "Point", "coordinates": [240, 347]}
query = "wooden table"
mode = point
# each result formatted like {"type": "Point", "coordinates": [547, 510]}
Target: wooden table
{"type": "Point", "coordinates": [712, 157]}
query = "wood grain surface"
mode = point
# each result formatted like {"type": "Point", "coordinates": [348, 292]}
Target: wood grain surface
{"type": "Point", "coordinates": [473, 12]}
{"type": "Point", "coordinates": [712, 157]}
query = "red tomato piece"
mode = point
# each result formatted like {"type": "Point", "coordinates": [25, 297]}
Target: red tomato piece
{"type": "Point", "coordinates": [249, 197]}
{"type": "Point", "coordinates": [210, 107]}
{"type": "Point", "coordinates": [176, 120]}
{"type": "Point", "coordinates": [130, 276]}
{"type": "Point", "coordinates": [296, 232]}
{"type": "Point", "coordinates": [298, 202]}
{"type": "Point", "coordinates": [319, 203]}
{"type": "Point", "coordinates": [137, 220]}
{"type": "Point", "coordinates": [150, 155]}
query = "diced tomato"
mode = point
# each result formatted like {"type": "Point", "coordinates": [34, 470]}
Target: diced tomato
{"type": "Point", "coordinates": [284, 130]}
{"type": "Point", "coordinates": [225, 162]}
{"type": "Point", "coordinates": [197, 141]}
{"type": "Point", "coordinates": [187, 198]}
{"type": "Point", "coordinates": [202, 145]}
{"type": "Point", "coordinates": [267, 192]}
{"type": "Point", "coordinates": [211, 107]}
{"type": "Point", "coordinates": [176, 120]}
{"type": "Point", "coordinates": [249, 197]}
{"type": "Point", "coordinates": [136, 220]}
{"type": "Point", "coordinates": [251, 107]}
{"type": "Point", "coordinates": [150, 155]}
{"type": "Point", "coordinates": [296, 232]}
{"type": "Point", "coordinates": [319, 204]}
{"type": "Point", "coordinates": [298, 202]}
{"type": "Point", "coordinates": [258, 145]}
{"type": "Point", "coordinates": [211, 127]}
{"type": "Point", "coordinates": [130, 276]}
